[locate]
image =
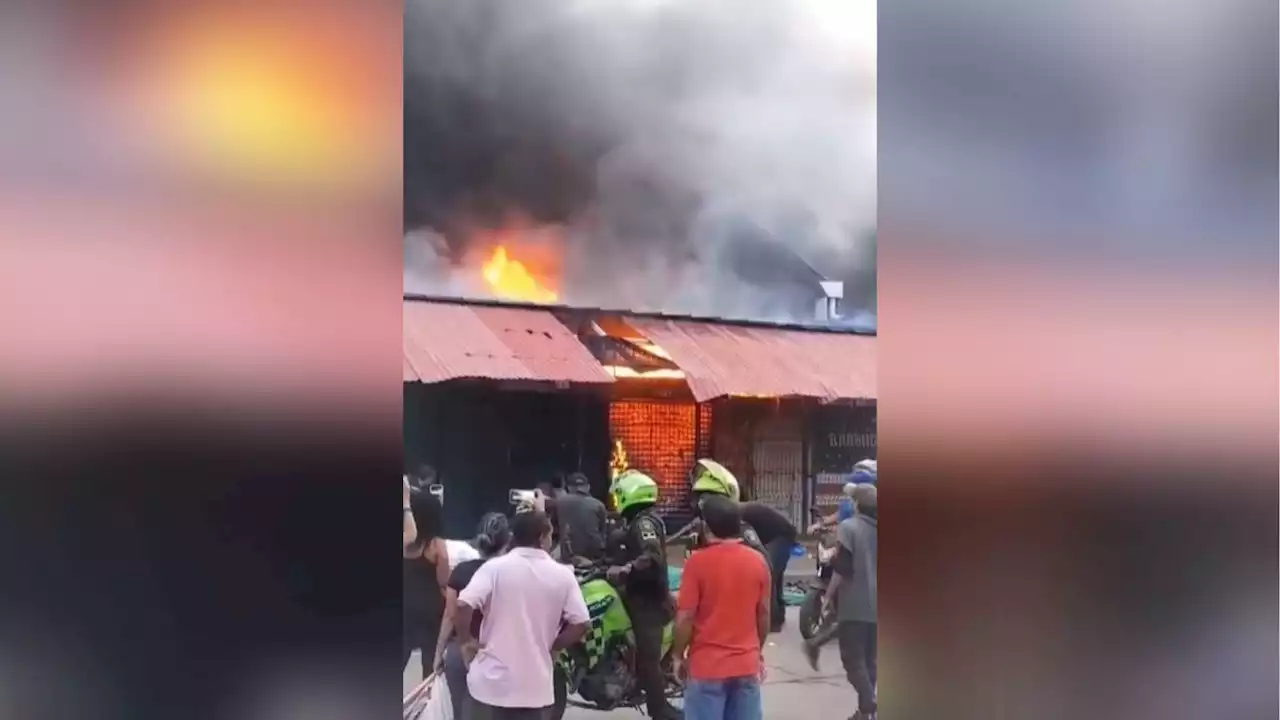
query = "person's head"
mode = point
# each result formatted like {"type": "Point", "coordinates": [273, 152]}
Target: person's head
{"type": "Point", "coordinates": [531, 529]}
{"type": "Point", "coordinates": [721, 518]}
{"type": "Point", "coordinates": [864, 473]}
{"type": "Point", "coordinates": [427, 515]}
{"type": "Point", "coordinates": [864, 499]}
{"type": "Point", "coordinates": [578, 483]}
{"type": "Point", "coordinates": [493, 535]}
{"type": "Point", "coordinates": [712, 478]}
{"type": "Point", "coordinates": [425, 475]}
{"type": "Point", "coordinates": [632, 492]}
{"type": "Point", "coordinates": [548, 485]}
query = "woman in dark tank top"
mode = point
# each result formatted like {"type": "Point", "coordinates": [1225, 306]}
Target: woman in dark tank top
{"type": "Point", "coordinates": [426, 573]}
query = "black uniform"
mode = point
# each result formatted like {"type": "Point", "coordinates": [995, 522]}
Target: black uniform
{"type": "Point", "coordinates": [647, 596]}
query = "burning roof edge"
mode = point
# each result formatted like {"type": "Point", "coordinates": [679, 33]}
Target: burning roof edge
{"type": "Point", "coordinates": [741, 322]}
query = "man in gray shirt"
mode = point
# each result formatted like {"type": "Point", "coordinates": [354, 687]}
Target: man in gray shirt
{"type": "Point", "coordinates": [582, 519]}
{"type": "Point", "coordinates": [854, 587]}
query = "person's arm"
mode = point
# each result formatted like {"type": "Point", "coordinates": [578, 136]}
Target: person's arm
{"type": "Point", "coordinates": [571, 634]}
{"type": "Point", "coordinates": [569, 546]}
{"type": "Point", "coordinates": [652, 553]}
{"type": "Point", "coordinates": [410, 528]}
{"type": "Point", "coordinates": [686, 611]}
{"type": "Point", "coordinates": [841, 568]}
{"type": "Point", "coordinates": [602, 523]}
{"type": "Point", "coordinates": [764, 600]}
{"type": "Point", "coordinates": [446, 626]}
{"type": "Point", "coordinates": [764, 621]}
{"type": "Point", "coordinates": [843, 510]}
{"type": "Point", "coordinates": [441, 553]}
{"type": "Point", "coordinates": [476, 595]}
{"type": "Point", "coordinates": [577, 621]}
{"type": "Point", "coordinates": [693, 526]}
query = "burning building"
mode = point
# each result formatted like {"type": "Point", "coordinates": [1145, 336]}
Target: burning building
{"type": "Point", "coordinates": [501, 395]}
{"type": "Point", "coordinates": [686, 162]}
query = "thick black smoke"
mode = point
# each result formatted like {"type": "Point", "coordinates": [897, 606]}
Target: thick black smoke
{"type": "Point", "coordinates": [696, 156]}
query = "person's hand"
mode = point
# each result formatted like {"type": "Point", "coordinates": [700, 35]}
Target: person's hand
{"type": "Point", "coordinates": [814, 528]}
{"type": "Point", "coordinates": [406, 492]}
{"type": "Point", "coordinates": [764, 669]}
{"type": "Point", "coordinates": [438, 666]}
{"type": "Point", "coordinates": [469, 652]}
{"type": "Point", "coordinates": [617, 573]}
{"type": "Point", "coordinates": [680, 669]}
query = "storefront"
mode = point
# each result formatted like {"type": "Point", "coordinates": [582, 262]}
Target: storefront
{"type": "Point", "coordinates": [762, 442]}
{"type": "Point", "coordinates": [840, 435]}
{"type": "Point", "coordinates": [498, 397]}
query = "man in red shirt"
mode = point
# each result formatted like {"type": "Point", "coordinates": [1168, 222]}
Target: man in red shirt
{"type": "Point", "coordinates": [722, 621]}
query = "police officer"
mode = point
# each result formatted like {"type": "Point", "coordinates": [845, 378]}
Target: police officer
{"type": "Point", "coordinates": [638, 560]}
{"type": "Point", "coordinates": [711, 478]}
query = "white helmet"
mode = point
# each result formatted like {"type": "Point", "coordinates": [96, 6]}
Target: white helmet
{"type": "Point", "coordinates": [864, 472]}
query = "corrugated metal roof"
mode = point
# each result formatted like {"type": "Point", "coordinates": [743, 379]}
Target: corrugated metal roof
{"type": "Point", "coordinates": [754, 361]}
{"type": "Point", "coordinates": [847, 325]}
{"type": "Point", "coordinates": [447, 341]}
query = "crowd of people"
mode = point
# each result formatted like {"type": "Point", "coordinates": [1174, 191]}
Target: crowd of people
{"type": "Point", "coordinates": [490, 615]}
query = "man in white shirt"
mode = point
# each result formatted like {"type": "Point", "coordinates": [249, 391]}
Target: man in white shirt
{"type": "Point", "coordinates": [532, 608]}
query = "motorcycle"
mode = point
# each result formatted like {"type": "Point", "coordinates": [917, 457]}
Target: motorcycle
{"type": "Point", "coordinates": [812, 613]}
{"type": "Point", "coordinates": [600, 669]}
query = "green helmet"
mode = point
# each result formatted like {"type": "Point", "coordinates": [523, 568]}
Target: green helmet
{"type": "Point", "coordinates": [633, 489]}
{"type": "Point", "coordinates": [710, 476]}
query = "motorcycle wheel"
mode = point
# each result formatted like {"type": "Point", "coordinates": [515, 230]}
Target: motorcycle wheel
{"type": "Point", "coordinates": [561, 685]}
{"type": "Point", "coordinates": [811, 613]}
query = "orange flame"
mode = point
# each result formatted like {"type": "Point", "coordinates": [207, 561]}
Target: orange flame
{"type": "Point", "coordinates": [618, 461]}
{"type": "Point", "coordinates": [511, 280]}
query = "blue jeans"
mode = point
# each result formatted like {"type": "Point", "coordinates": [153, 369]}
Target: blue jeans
{"type": "Point", "coordinates": [732, 699]}
{"type": "Point", "coordinates": [455, 674]}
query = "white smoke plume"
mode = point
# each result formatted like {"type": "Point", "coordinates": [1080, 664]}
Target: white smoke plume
{"type": "Point", "coordinates": [701, 145]}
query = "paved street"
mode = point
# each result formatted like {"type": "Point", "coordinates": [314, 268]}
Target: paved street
{"type": "Point", "coordinates": [792, 691]}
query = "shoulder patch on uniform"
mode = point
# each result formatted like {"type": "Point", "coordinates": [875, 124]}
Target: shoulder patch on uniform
{"type": "Point", "coordinates": [648, 529]}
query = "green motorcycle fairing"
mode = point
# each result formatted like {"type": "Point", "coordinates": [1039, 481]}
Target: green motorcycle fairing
{"type": "Point", "coordinates": [609, 618]}
{"type": "Point", "coordinates": [610, 623]}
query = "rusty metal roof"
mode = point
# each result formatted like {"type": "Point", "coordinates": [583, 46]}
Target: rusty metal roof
{"type": "Point", "coordinates": [444, 341]}
{"type": "Point", "coordinates": [603, 315]}
{"type": "Point", "coordinates": [737, 360]}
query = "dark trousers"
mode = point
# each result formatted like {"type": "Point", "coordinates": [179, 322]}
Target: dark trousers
{"type": "Point", "coordinates": [858, 654]}
{"type": "Point", "coordinates": [479, 711]}
{"type": "Point", "coordinates": [779, 551]}
{"type": "Point", "coordinates": [648, 620]}
{"type": "Point", "coordinates": [420, 633]}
